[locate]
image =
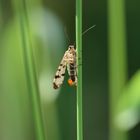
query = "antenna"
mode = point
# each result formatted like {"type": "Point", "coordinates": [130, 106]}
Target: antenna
{"type": "Point", "coordinates": [84, 32]}
{"type": "Point", "coordinates": [88, 29]}
{"type": "Point", "coordinates": [67, 36]}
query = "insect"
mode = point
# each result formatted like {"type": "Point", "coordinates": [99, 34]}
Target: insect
{"type": "Point", "coordinates": [68, 61]}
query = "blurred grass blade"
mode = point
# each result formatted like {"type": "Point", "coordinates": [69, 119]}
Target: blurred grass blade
{"type": "Point", "coordinates": [79, 62]}
{"type": "Point", "coordinates": [128, 106]}
{"type": "Point", "coordinates": [117, 59]}
{"type": "Point", "coordinates": [1, 16]}
{"type": "Point", "coordinates": [21, 10]}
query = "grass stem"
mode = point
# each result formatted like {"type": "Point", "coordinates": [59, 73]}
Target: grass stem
{"type": "Point", "coordinates": [79, 62]}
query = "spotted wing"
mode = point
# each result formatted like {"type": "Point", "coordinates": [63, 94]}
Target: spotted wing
{"type": "Point", "coordinates": [59, 76]}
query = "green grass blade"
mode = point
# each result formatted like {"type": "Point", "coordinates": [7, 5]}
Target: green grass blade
{"type": "Point", "coordinates": [21, 11]}
{"type": "Point", "coordinates": [79, 62]}
{"type": "Point", "coordinates": [117, 60]}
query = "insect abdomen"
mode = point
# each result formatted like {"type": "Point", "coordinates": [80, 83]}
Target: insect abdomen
{"type": "Point", "coordinates": [72, 71]}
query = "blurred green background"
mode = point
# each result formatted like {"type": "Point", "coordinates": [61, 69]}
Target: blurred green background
{"type": "Point", "coordinates": [111, 77]}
